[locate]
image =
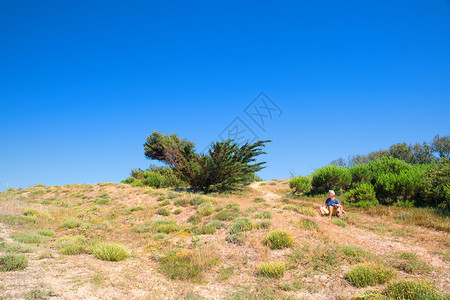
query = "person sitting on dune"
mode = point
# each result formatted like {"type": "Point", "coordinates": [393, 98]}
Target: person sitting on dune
{"type": "Point", "coordinates": [332, 205]}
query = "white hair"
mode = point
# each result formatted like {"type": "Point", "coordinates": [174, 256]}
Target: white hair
{"type": "Point", "coordinates": [332, 192]}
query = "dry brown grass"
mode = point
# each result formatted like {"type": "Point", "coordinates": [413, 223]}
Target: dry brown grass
{"type": "Point", "coordinates": [128, 218]}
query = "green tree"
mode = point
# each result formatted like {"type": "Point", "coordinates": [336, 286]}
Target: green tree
{"type": "Point", "coordinates": [402, 151]}
{"type": "Point", "coordinates": [441, 145]}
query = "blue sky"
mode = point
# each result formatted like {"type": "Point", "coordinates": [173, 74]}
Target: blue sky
{"type": "Point", "coordinates": [82, 83]}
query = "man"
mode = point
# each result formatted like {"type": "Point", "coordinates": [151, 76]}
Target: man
{"type": "Point", "coordinates": [331, 204]}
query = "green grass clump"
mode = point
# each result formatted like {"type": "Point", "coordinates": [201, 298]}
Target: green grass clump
{"type": "Point", "coordinates": [291, 207]}
{"type": "Point", "coordinates": [13, 262]}
{"type": "Point", "coordinates": [355, 254]}
{"type": "Point", "coordinates": [177, 211]}
{"type": "Point", "coordinates": [264, 215]}
{"type": "Point", "coordinates": [259, 199]}
{"type": "Point", "coordinates": [208, 229]}
{"type": "Point", "coordinates": [164, 226]}
{"type": "Point", "coordinates": [71, 245]}
{"type": "Point", "coordinates": [236, 238]}
{"type": "Point", "coordinates": [69, 223]}
{"type": "Point", "coordinates": [18, 220]}
{"type": "Point", "coordinates": [307, 224]}
{"type": "Point", "coordinates": [25, 237]}
{"type": "Point", "coordinates": [263, 225]}
{"type": "Point", "coordinates": [339, 222]}
{"type": "Point", "coordinates": [15, 247]}
{"type": "Point", "coordinates": [164, 203]}
{"type": "Point", "coordinates": [182, 266]}
{"type": "Point", "coordinates": [172, 195]}
{"type": "Point", "coordinates": [306, 210]}
{"type": "Point", "coordinates": [226, 215]}
{"type": "Point", "coordinates": [271, 269]}
{"type": "Point", "coordinates": [136, 208]}
{"type": "Point", "coordinates": [226, 273]}
{"type": "Point", "coordinates": [233, 206]}
{"type": "Point", "coordinates": [241, 225]}
{"type": "Point", "coordinates": [110, 252]}
{"type": "Point", "coordinates": [30, 212]}
{"type": "Point", "coordinates": [163, 212]}
{"type": "Point", "coordinates": [205, 209]}
{"type": "Point", "coordinates": [46, 232]}
{"type": "Point", "coordinates": [278, 239]}
{"type": "Point", "coordinates": [102, 201]}
{"type": "Point", "coordinates": [413, 290]}
{"type": "Point", "coordinates": [197, 200]}
{"type": "Point", "coordinates": [410, 263]}
{"type": "Point", "coordinates": [368, 274]}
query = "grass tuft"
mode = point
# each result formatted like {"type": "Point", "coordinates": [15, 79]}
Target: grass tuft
{"type": "Point", "coordinates": [307, 224]}
{"type": "Point", "coordinates": [369, 274]}
{"type": "Point", "coordinates": [413, 290]}
{"type": "Point", "coordinates": [13, 262]}
{"type": "Point", "coordinates": [271, 269]}
{"type": "Point", "coordinates": [241, 225]}
{"type": "Point", "coordinates": [110, 252]}
{"type": "Point", "coordinates": [69, 223]}
{"type": "Point", "coordinates": [278, 239]}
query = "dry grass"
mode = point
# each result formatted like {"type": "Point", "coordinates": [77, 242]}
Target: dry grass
{"type": "Point", "coordinates": [186, 250]}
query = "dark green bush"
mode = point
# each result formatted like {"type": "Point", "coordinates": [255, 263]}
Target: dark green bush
{"type": "Point", "coordinates": [157, 177]}
{"type": "Point", "coordinates": [360, 173]}
{"type": "Point", "coordinates": [363, 195]}
{"type": "Point", "coordinates": [330, 177]}
{"type": "Point", "coordinates": [435, 187]}
{"type": "Point", "coordinates": [300, 184]}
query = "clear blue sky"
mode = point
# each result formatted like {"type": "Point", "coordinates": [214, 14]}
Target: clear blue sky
{"type": "Point", "coordinates": [82, 83]}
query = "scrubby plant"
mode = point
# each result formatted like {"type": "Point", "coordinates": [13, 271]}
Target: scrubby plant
{"type": "Point", "coordinates": [226, 215]}
{"type": "Point", "coordinates": [69, 223]}
{"type": "Point", "coordinates": [238, 238]}
{"type": "Point", "coordinates": [330, 177]}
{"type": "Point", "coordinates": [197, 200]}
{"type": "Point", "coordinates": [181, 265]}
{"type": "Point", "coordinates": [15, 247]}
{"type": "Point", "coordinates": [205, 209]}
{"type": "Point", "coordinates": [259, 199]}
{"type": "Point", "coordinates": [46, 232]}
{"type": "Point", "coordinates": [278, 239]}
{"type": "Point", "coordinates": [177, 211]}
{"type": "Point", "coordinates": [164, 203]}
{"type": "Point", "coordinates": [410, 263]}
{"type": "Point", "coordinates": [264, 215]}
{"type": "Point", "coordinates": [339, 223]}
{"type": "Point", "coordinates": [136, 208]}
{"type": "Point", "coordinates": [226, 273]}
{"type": "Point", "coordinates": [369, 274]}
{"type": "Point", "coordinates": [263, 225]}
{"type": "Point", "coordinates": [13, 262]}
{"type": "Point", "coordinates": [71, 245]}
{"type": "Point", "coordinates": [363, 195]}
{"type": "Point", "coordinates": [271, 269]}
{"type": "Point", "coordinates": [308, 224]}
{"type": "Point", "coordinates": [110, 252]}
{"type": "Point", "coordinates": [300, 184]}
{"type": "Point", "coordinates": [307, 211]}
{"type": "Point", "coordinates": [413, 290]}
{"type": "Point", "coordinates": [26, 237]}
{"type": "Point", "coordinates": [102, 201]}
{"type": "Point", "coordinates": [241, 225]}
{"type": "Point", "coordinates": [163, 212]}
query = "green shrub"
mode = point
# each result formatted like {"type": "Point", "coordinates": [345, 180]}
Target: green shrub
{"type": "Point", "coordinates": [15, 247]}
{"type": "Point", "coordinates": [339, 222]}
{"type": "Point", "coordinates": [278, 239]}
{"type": "Point", "coordinates": [71, 245]}
{"type": "Point", "coordinates": [205, 209]}
{"type": "Point", "coordinates": [308, 224]}
{"type": "Point", "coordinates": [28, 238]}
{"type": "Point", "coordinates": [46, 232]}
{"type": "Point", "coordinates": [300, 184]}
{"type": "Point", "coordinates": [110, 252]}
{"type": "Point", "coordinates": [12, 262]}
{"type": "Point", "coordinates": [368, 274]}
{"type": "Point", "coordinates": [413, 290]}
{"type": "Point", "coordinates": [241, 225]}
{"type": "Point", "coordinates": [360, 173]}
{"type": "Point", "coordinates": [259, 199]}
{"type": "Point", "coordinates": [307, 211]}
{"type": "Point", "coordinates": [30, 212]}
{"type": "Point", "coordinates": [236, 238]}
{"type": "Point", "coordinates": [177, 211]}
{"type": "Point", "coordinates": [102, 201]}
{"type": "Point", "coordinates": [226, 215]}
{"type": "Point", "coordinates": [136, 208]}
{"type": "Point", "coordinates": [363, 195]}
{"type": "Point", "coordinates": [164, 203]}
{"type": "Point", "coordinates": [264, 215]}
{"type": "Point", "coordinates": [69, 223]}
{"type": "Point", "coordinates": [195, 219]}
{"type": "Point", "coordinates": [410, 263]}
{"type": "Point", "coordinates": [263, 225]}
{"type": "Point", "coordinates": [163, 212]}
{"type": "Point", "coordinates": [207, 229]}
{"type": "Point", "coordinates": [435, 186]}
{"type": "Point", "coordinates": [330, 177]}
{"type": "Point", "coordinates": [157, 177]}
{"type": "Point", "coordinates": [271, 269]}
{"type": "Point", "coordinates": [232, 206]}
{"type": "Point", "coordinates": [182, 266]}
{"type": "Point", "coordinates": [197, 200]}
{"type": "Point", "coordinates": [164, 226]}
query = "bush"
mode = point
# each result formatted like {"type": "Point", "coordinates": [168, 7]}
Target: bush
{"type": "Point", "coordinates": [157, 177]}
{"type": "Point", "coordinates": [363, 195]}
{"type": "Point", "coordinates": [259, 199]}
{"type": "Point", "coordinates": [307, 211]}
{"type": "Point", "coordinates": [264, 215]}
{"type": "Point", "coordinates": [69, 223]}
{"type": "Point", "coordinates": [12, 262]}
{"type": "Point", "coordinates": [179, 265]}
{"type": "Point", "coordinates": [46, 232]}
{"type": "Point", "coordinates": [28, 238]}
{"type": "Point", "coordinates": [410, 263]}
{"type": "Point", "coordinates": [163, 212]}
{"type": "Point", "coordinates": [263, 225]}
{"type": "Point", "coordinates": [300, 184]}
{"type": "Point", "coordinates": [15, 247]}
{"type": "Point", "coordinates": [413, 290]}
{"type": "Point", "coordinates": [308, 224]}
{"type": "Point", "coordinates": [360, 173]}
{"type": "Point", "coordinates": [271, 269]}
{"type": "Point", "coordinates": [278, 239]}
{"type": "Point", "coordinates": [241, 225]}
{"type": "Point", "coordinates": [208, 229]}
{"type": "Point", "coordinates": [330, 178]}
{"type": "Point", "coordinates": [110, 252]}
{"type": "Point", "coordinates": [226, 215]}
{"type": "Point", "coordinates": [435, 187]}
{"type": "Point", "coordinates": [205, 209]}
{"type": "Point", "coordinates": [368, 274]}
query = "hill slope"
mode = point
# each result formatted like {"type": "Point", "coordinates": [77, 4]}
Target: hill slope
{"type": "Point", "coordinates": [185, 245]}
